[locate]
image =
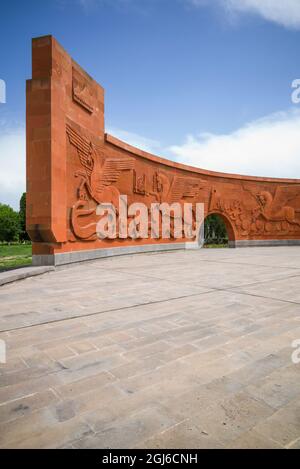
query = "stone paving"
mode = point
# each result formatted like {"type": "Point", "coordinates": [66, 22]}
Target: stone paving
{"type": "Point", "coordinates": [187, 349]}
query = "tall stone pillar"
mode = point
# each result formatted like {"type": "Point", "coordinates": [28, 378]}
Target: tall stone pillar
{"type": "Point", "coordinates": [59, 91]}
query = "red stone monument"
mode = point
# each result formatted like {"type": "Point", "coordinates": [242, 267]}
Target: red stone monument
{"type": "Point", "coordinates": [73, 165]}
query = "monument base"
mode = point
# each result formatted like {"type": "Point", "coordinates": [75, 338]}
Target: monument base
{"type": "Point", "coordinates": [93, 254]}
{"type": "Point", "coordinates": [246, 243]}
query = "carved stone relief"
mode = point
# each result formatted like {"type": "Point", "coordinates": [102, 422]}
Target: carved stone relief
{"type": "Point", "coordinates": [82, 93]}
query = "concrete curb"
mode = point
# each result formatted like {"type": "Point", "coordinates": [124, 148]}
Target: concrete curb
{"type": "Point", "coordinates": [25, 272]}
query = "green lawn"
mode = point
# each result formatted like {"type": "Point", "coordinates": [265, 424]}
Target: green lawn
{"type": "Point", "coordinates": [14, 255]}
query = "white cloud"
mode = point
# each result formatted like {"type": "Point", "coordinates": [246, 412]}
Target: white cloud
{"type": "Point", "coordinates": [266, 147]}
{"type": "Point", "coordinates": [146, 144]}
{"type": "Point", "coordinates": [12, 164]}
{"type": "Point", "coordinates": [283, 12]}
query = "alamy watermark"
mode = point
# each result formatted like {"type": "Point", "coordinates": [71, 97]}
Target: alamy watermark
{"type": "Point", "coordinates": [2, 352]}
{"type": "Point", "coordinates": [295, 96]}
{"type": "Point", "coordinates": [2, 92]}
{"type": "Point", "coordinates": [296, 353]}
{"type": "Point", "coordinates": [159, 221]}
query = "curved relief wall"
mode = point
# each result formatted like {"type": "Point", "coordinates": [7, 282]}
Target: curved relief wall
{"type": "Point", "coordinates": [72, 166]}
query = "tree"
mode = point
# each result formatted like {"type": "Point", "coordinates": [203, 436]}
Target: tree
{"type": "Point", "coordinates": [22, 215]}
{"type": "Point", "coordinates": [9, 224]}
{"type": "Point", "coordinates": [215, 229]}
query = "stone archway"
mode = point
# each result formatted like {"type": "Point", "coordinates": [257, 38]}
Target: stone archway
{"type": "Point", "coordinates": [229, 227]}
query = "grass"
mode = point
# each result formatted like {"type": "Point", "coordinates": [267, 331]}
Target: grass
{"type": "Point", "coordinates": [15, 255]}
{"type": "Point", "coordinates": [214, 246]}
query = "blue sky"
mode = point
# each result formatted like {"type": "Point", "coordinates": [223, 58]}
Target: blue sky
{"type": "Point", "coordinates": [203, 82]}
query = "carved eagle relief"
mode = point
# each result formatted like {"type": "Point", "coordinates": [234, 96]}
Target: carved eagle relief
{"type": "Point", "coordinates": [273, 207]}
{"type": "Point", "coordinates": [99, 173]}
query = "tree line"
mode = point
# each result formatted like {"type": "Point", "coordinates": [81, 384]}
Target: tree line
{"type": "Point", "coordinates": [13, 223]}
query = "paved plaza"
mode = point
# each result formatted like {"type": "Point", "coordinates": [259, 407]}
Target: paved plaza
{"type": "Point", "coordinates": [186, 349]}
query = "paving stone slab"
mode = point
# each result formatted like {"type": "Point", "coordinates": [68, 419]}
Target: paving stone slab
{"type": "Point", "coordinates": [180, 349]}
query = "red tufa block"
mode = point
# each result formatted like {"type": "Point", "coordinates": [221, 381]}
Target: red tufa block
{"type": "Point", "coordinates": [72, 166]}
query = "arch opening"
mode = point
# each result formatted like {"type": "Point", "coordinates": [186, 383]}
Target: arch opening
{"type": "Point", "coordinates": [218, 231]}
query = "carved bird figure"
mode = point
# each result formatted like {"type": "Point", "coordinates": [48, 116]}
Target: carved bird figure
{"type": "Point", "coordinates": [274, 207]}
{"type": "Point", "coordinates": [98, 175]}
